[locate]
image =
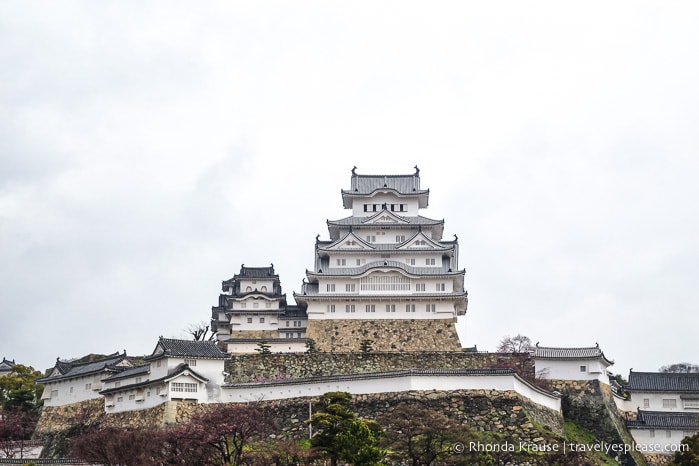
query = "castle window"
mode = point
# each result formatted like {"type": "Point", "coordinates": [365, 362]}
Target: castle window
{"type": "Point", "coordinates": [400, 238]}
{"type": "Point", "coordinates": [190, 362]}
{"type": "Point", "coordinates": [403, 207]}
{"type": "Point", "coordinates": [117, 384]}
{"type": "Point", "coordinates": [268, 305]}
{"type": "Point", "coordinates": [184, 387]}
{"type": "Point", "coordinates": [410, 261]}
{"type": "Point", "coordinates": [430, 308]}
{"type": "Point", "coordinates": [359, 262]}
{"type": "Point", "coordinates": [390, 308]}
{"type": "Point", "coordinates": [409, 308]}
{"type": "Point", "coordinates": [375, 207]}
{"type": "Point", "coordinates": [669, 403]}
{"type": "Point", "coordinates": [243, 305]}
{"type": "Point", "coordinates": [668, 434]}
{"type": "Point", "coordinates": [341, 262]}
{"type": "Point", "coordinates": [120, 399]}
{"type": "Point", "coordinates": [419, 287]}
{"type": "Point", "coordinates": [88, 386]}
{"type": "Point", "coordinates": [330, 287]}
{"type": "Point", "coordinates": [371, 238]}
{"type": "Point", "coordinates": [349, 307]}
{"type": "Point", "coordinates": [646, 403]}
{"type": "Point", "coordinates": [287, 323]}
{"type": "Point", "coordinates": [350, 287]}
{"type": "Point", "coordinates": [331, 308]}
{"type": "Point", "coordinates": [249, 320]}
{"type": "Point", "coordinates": [370, 308]}
{"type": "Point", "coordinates": [441, 286]}
{"type": "Point", "coordinates": [652, 433]}
{"type": "Point", "coordinates": [249, 288]}
{"type": "Point", "coordinates": [691, 404]}
{"type": "Point", "coordinates": [263, 288]}
{"type": "Point", "coordinates": [255, 305]}
{"type": "Point", "coordinates": [430, 261]}
{"type": "Point", "coordinates": [366, 207]}
{"type": "Point", "coordinates": [132, 397]}
{"type": "Point", "coordinates": [384, 283]}
{"type": "Point", "coordinates": [583, 368]}
{"type": "Point", "coordinates": [262, 320]}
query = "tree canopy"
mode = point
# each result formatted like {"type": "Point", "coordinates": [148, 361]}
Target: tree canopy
{"type": "Point", "coordinates": [342, 435]}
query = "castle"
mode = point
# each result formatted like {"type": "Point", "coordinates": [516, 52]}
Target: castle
{"type": "Point", "coordinates": [386, 283]}
{"type": "Point", "coordinates": [385, 276]}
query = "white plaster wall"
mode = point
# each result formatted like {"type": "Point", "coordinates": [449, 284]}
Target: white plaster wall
{"type": "Point", "coordinates": [380, 198]}
{"type": "Point", "coordinates": [319, 310]}
{"type": "Point", "coordinates": [570, 369]}
{"type": "Point", "coordinates": [256, 284]}
{"type": "Point", "coordinates": [275, 347]}
{"type": "Point", "coordinates": [152, 398]}
{"type": "Point", "coordinates": [659, 442]}
{"type": "Point", "coordinates": [392, 384]}
{"type": "Point", "coordinates": [79, 393]}
{"type": "Point", "coordinates": [655, 401]}
{"type": "Point", "coordinates": [240, 321]}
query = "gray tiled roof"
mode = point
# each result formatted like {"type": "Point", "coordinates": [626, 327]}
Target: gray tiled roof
{"type": "Point", "coordinates": [256, 272]}
{"type": "Point", "coordinates": [366, 184]}
{"type": "Point", "coordinates": [69, 370]}
{"type": "Point", "coordinates": [594, 352]}
{"type": "Point", "coordinates": [663, 382]}
{"type": "Point", "coordinates": [361, 221]}
{"type": "Point", "coordinates": [6, 365]}
{"type": "Point", "coordinates": [130, 372]}
{"type": "Point", "coordinates": [350, 271]}
{"type": "Point", "coordinates": [187, 348]}
{"type": "Point", "coordinates": [665, 420]}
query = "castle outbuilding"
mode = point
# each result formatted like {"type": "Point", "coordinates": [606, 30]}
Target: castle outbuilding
{"type": "Point", "coordinates": [385, 277]}
{"type": "Point", "coordinates": [252, 311]}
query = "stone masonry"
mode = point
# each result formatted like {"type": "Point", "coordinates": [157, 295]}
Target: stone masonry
{"type": "Point", "coordinates": [259, 367]}
{"type": "Point", "coordinates": [345, 335]}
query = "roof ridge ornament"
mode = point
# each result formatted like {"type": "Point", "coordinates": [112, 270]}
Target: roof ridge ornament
{"type": "Point", "coordinates": [354, 171]}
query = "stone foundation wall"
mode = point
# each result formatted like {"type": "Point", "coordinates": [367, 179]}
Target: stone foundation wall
{"type": "Point", "coordinates": [91, 413]}
{"type": "Point", "coordinates": [591, 404]}
{"type": "Point", "coordinates": [250, 367]}
{"type": "Point", "coordinates": [268, 334]}
{"type": "Point", "coordinates": [386, 335]}
{"type": "Point", "coordinates": [504, 412]}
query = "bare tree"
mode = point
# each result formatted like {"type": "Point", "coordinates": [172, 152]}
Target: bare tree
{"type": "Point", "coordinates": [200, 331]}
{"type": "Point", "coordinates": [517, 344]}
{"type": "Point", "coordinates": [681, 367]}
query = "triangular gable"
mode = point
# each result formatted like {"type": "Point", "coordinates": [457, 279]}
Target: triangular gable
{"type": "Point", "coordinates": [185, 370]}
{"type": "Point", "coordinates": [421, 241]}
{"type": "Point", "coordinates": [350, 242]}
{"type": "Point", "coordinates": [385, 217]}
{"type": "Point", "coordinates": [158, 349]}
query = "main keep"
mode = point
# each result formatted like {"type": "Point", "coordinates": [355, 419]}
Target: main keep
{"type": "Point", "coordinates": [385, 275]}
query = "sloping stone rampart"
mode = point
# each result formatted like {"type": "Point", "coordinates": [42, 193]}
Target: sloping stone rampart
{"type": "Point", "coordinates": [591, 404]}
{"type": "Point", "coordinates": [251, 367]}
{"type": "Point", "coordinates": [345, 335]}
{"type": "Point", "coordinates": [504, 412]}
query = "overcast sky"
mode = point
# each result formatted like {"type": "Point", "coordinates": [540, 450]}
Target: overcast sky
{"type": "Point", "coordinates": [148, 149]}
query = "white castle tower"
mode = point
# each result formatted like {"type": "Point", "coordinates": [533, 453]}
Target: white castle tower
{"type": "Point", "coordinates": [385, 275]}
